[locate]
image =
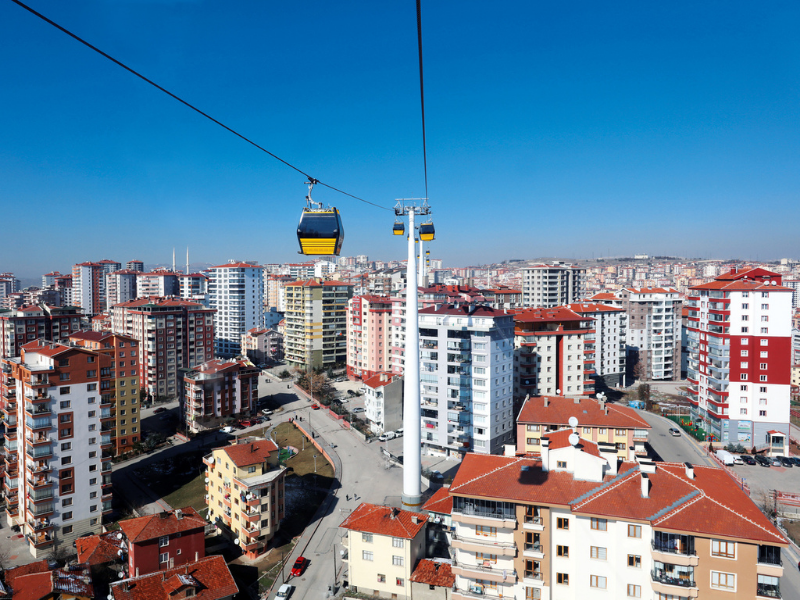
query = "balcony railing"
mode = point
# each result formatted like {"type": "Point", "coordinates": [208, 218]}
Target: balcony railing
{"type": "Point", "coordinates": [685, 549]}
{"type": "Point", "coordinates": [660, 576]}
{"type": "Point", "coordinates": [768, 590]}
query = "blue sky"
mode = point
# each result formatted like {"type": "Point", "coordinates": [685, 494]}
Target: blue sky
{"type": "Point", "coordinates": [561, 128]}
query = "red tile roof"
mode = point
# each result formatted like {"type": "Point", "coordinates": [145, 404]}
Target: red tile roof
{"type": "Point", "coordinates": [560, 439]}
{"type": "Point", "coordinates": [588, 411]}
{"type": "Point", "coordinates": [434, 572]}
{"type": "Point", "coordinates": [441, 502]}
{"type": "Point", "coordinates": [465, 310]}
{"type": "Point", "coordinates": [243, 455]}
{"type": "Point", "coordinates": [384, 520]}
{"type": "Point", "coordinates": [34, 567]}
{"type": "Point", "coordinates": [587, 307]}
{"type": "Point", "coordinates": [99, 549]}
{"type": "Point", "coordinates": [548, 314]}
{"type": "Point", "coordinates": [148, 527]}
{"type": "Point", "coordinates": [74, 581]}
{"type": "Point", "coordinates": [604, 296]}
{"type": "Point", "coordinates": [209, 576]}
{"type": "Point", "coordinates": [376, 382]}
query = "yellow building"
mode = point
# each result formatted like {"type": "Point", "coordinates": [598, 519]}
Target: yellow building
{"type": "Point", "coordinates": [383, 546]}
{"type": "Point", "coordinates": [246, 495]}
{"type": "Point", "coordinates": [795, 374]}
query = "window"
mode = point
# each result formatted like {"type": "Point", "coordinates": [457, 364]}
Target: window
{"type": "Point", "coordinates": [745, 352]}
{"type": "Point", "coordinates": [562, 523]}
{"type": "Point", "coordinates": [598, 553]}
{"type": "Point", "coordinates": [744, 364]}
{"type": "Point", "coordinates": [65, 404]}
{"type": "Point", "coordinates": [163, 541]}
{"type": "Point", "coordinates": [765, 342]}
{"type": "Point", "coordinates": [634, 560]}
{"type": "Point", "coordinates": [599, 524]}
{"type": "Point", "coordinates": [635, 531]}
{"type": "Point", "coordinates": [745, 330]}
{"type": "Point", "coordinates": [485, 558]}
{"type": "Point", "coordinates": [533, 593]}
{"type": "Point", "coordinates": [764, 354]}
{"type": "Point", "coordinates": [163, 557]}
{"type": "Point", "coordinates": [562, 578]}
{"type": "Point", "coordinates": [762, 378]}
{"type": "Point", "coordinates": [398, 542]}
{"type": "Point", "coordinates": [596, 581]}
{"type": "Point", "coordinates": [366, 537]}
{"type": "Point", "coordinates": [381, 578]}
{"type": "Point", "coordinates": [66, 530]}
{"type": "Point", "coordinates": [66, 516]}
{"type": "Point", "coordinates": [742, 411]}
{"type": "Point", "coordinates": [66, 460]}
{"type": "Point", "coordinates": [765, 330]}
{"type": "Point", "coordinates": [762, 389]}
{"type": "Point", "coordinates": [562, 551]}
{"type": "Point", "coordinates": [723, 581]}
{"type": "Point", "coordinates": [397, 561]}
{"type": "Point", "coordinates": [634, 591]}
{"type": "Point", "coordinates": [763, 366]}
{"type": "Point", "coordinates": [619, 432]}
{"type": "Point", "coordinates": [723, 549]}
{"type": "Point", "coordinates": [483, 530]}
{"type": "Point", "coordinates": [66, 446]}
{"type": "Point", "coordinates": [366, 555]}
{"type": "Point", "coordinates": [743, 376]}
{"type": "Point", "coordinates": [561, 464]}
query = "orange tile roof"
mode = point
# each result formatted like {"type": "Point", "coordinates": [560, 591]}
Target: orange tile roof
{"type": "Point", "coordinates": [587, 410]}
{"type": "Point", "coordinates": [434, 572]}
{"type": "Point", "coordinates": [548, 314]}
{"type": "Point", "coordinates": [34, 567]}
{"type": "Point", "coordinates": [560, 439]}
{"type": "Point", "coordinates": [584, 307]}
{"type": "Point", "coordinates": [74, 581]}
{"type": "Point", "coordinates": [604, 296]}
{"type": "Point", "coordinates": [148, 527]}
{"type": "Point", "coordinates": [384, 520]}
{"type": "Point", "coordinates": [99, 549]}
{"type": "Point", "coordinates": [210, 577]}
{"type": "Point", "coordinates": [376, 382]}
{"type": "Point", "coordinates": [441, 502]}
{"type": "Point", "coordinates": [243, 455]}
{"type": "Point", "coordinates": [237, 265]}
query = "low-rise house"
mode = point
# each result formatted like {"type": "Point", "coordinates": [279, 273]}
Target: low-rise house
{"type": "Point", "coordinates": [262, 345]}
{"type": "Point", "coordinates": [206, 579]}
{"type": "Point", "coordinates": [164, 540]}
{"type": "Point", "coordinates": [70, 583]}
{"type": "Point", "coordinates": [432, 580]}
{"type": "Point", "coordinates": [383, 402]}
{"type": "Point", "coordinates": [598, 421]}
{"type": "Point", "coordinates": [383, 545]}
{"type": "Point", "coordinates": [104, 550]}
{"type": "Point", "coordinates": [246, 492]}
{"type": "Point", "coordinates": [439, 538]}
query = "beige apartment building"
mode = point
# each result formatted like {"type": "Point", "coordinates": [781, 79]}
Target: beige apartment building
{"type": "Point", "coordinates": [246, 494]}
{"type": "Point", "coordinates": [383, 546]}
{"type": "Point", "coordinates": [598, 421]}
{"type": "Point", "coordinates": [316, 323]}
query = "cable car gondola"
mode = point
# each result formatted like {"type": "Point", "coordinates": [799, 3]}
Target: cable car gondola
{"type": "Point", "coordinates": [426, 231]}
{"type": "Point", "coordinates": [399, 228]}
{"type": "Point", "coordinates": [320, 230]}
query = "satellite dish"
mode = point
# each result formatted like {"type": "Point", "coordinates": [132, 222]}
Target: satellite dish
{"type": "Point", "coordinates": [119, 536]}
{"type": "Point", "coordinates": [206, 479]}
{"type": "Point", "coordinates": [110, 597]}
{"type": "Point", "coordinates": [573, 422]}
{"type": "Point", "coordinates": [236, 541]}
{"type": "Point", "coordinates": [558, 392]}
{"type": "Point", "coordinates": [121, 575]}
{"type": "Point", "coordinates": [574, 438]}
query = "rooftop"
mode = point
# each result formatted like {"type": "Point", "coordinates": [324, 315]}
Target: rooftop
{"type": "Point", "coordinates": [441, 502]}
{"type": "Point", "coordinates": [385, 520]}
{"type": "Point", "coordinates": [588, 411]}
{"type": "Point", "coordinates": [243, 455]}
{"type": "Point", "coordinates": [100, 549]}
{"type": "Point", "coordinates": [148, 527]}
{"type": "Point", "coordinates": [209, 577]}
{"type": "Point", "coordinates": [434, 572]}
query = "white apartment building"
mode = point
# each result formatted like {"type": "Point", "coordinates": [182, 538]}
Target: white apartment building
{"type": "Point", "coordinates": [383, 402]}
{"type": "Point", "coordinates": [610, 325]}
{"type": "Point", "coordinates": [553, 285]}
{"type": "Point", "coordinates": [467, 379]}
{"type": "Point", "coordinates": [121, 286]}
{"type": "Point", "coordinates": [58, 476]}
{"type": "Point", "coordinates": [654, 329]}
{"type": "Point", "coordinates": [236, 292]}
{"type": "Point", "coordinates": [740, 356]}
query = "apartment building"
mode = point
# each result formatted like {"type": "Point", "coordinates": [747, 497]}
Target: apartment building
{"type": "Point", "coordinates": [217, 389]}
{"type": "Point", "coordinates": [610, 326]}
{"type": "Point", "coordinates": [383, 402]}
{"type": "Point", "coordinates": [262, 345]}
{"type": "Point", "coordinates": [739, 337]}
{"type": "Point", "coordinates": [273, 291]}
{"type": "Point", "coordinates": [246, 494]}
{"type": "Point", "coordinates": [121, 286]}
{"type": "Point", "coordinates": [88, 287]}
{"type": "Point", "coordinates": [577, 523]}
{"type": "Point", "coordinates": [235, 290]}
{"type": "Point", "coordinates": [171, 333]}
{"type": "Point", "coordinates": [598, 421]}
{"type": "Point", "coordinates": [206, 579]}
{"type": "Point", "coordinates": [653, 335]}
{"type": "Point", "coordinates": [135, 265]}
{"type": "Point", "coordinates": [121, 414]}
{"type": "Point", "coordinates": [23, 325]}
{"type": "Point", "coordinates": [552, 285]}
{"type": "Point", "coordinates": [383, 546]}
{"type": "Point", "coordinates": [57, 454]}
{"type": "Point", "coordinates": [159, 282]}
{"type": "Point", "coordinates": [503, 297]}
{"type": "Point", "coordinates": [316, 323]}
{"type": "Point", "coordinates": [554, 353]}
{"type": "Point", "coordinates": [368, 336]}
{"type": "Point", "coordinates": [467, 378]}
{"type": "Point", "coordinates": [163, 540]}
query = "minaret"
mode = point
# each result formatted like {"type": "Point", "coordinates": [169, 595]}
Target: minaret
{"type": "Point", "coordinates": [187, 260]}
{"type": "Point", "coordinates": [173, 259]}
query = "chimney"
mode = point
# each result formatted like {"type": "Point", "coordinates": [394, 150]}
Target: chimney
{"type": "Point", "coordinates": [546, 401]}
{"type": "Point", "coordinates": [178, 514]}
{"type": "Point", "coordinates": [576, 400]}
{"type": "Point", "coordinates": [415, 519]}
{"type": "Point", "coordinates": [645, 485]}
{"type": "Point", "coordinates": [393, 513]}
{"type": "Point", "coordinates": [384, 377]}
{"type": "Point", "coordinates": [545, 454]}
{"type": "Point", "coordinates": [252, 447]}
{"type": "Point", "coordinates": [689, 470]}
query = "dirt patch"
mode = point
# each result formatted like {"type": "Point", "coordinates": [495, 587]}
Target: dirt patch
{"type": "Point", "coordinates": [793, 529]}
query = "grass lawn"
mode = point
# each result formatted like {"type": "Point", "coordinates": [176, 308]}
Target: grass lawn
{"type": "Point", "coordinates": [191, 494]}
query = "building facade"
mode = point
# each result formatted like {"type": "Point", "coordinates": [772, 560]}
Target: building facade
{"type": "Point", "coordinates": [739, 368]}
{"type": "Point", "coordinates": [547, 286]}
{"type": "Point", "coordinates": [262, 345]}
{"type": "Point", "coordinates": [467, 379]}
{"type": "Point", "coordinates": [246, 492]}
{"type": "Point", "coordinates": [610, 326]}
{"type": "Point", "coordinates": [88, 287]}
{"type": "Point", "coordinates": [369, 321]}
{"type": "Point", "coordinates": [121, 286]}
{"type": "Point", "coordinates": [383, 402]}
{"type": "Point", "coordinates": [57, 455]}
{"type": "Point", "coordinates": [316, 323]}
{"type": "Point", "coordinates": [235, 291]}
{"type": "Point", "coordinates": [217, 389]}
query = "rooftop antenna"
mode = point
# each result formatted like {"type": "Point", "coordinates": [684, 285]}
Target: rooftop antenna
{"type": "Point", "coordinates": [573, 422]}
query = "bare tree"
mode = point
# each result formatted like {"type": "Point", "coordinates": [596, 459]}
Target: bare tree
{"type": "Point", "coordinates": [767, 501]}
{"type": "Point", "coordinates": [5, 559]}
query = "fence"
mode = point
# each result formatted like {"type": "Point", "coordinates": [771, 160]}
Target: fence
{"type": "Point", "coordinates": [731, 472]}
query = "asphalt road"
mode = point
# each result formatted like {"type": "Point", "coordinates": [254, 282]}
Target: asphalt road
{"type": "Point", "coordinates": [685, 449]}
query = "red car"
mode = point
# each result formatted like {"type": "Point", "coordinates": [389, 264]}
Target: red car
{"type": "Point", "coordinates": [315, 406]}
{"type": "Point", "coordinates": [160, 409]}
{"type": "Point", "coordinates": [299, 566]}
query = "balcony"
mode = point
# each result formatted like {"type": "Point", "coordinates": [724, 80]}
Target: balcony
{"type": "Point", "coordinates": [39, 452]}
{"type": "Point", "coordinates": [496, 573]}
{"type": "Point", "coordinates": [533, 523]}
{"type": "Point", "coordinates": [40, 540]}
{"type": "Point", "coordinates": [37, 410]}
{"type": "Point", "coordinates": [41, 510]}
{"type": "Point", "coordinates": [39, 524]}
{"type": "Point", "coordinates": [487, 545]}
{"type": "Point", "coordinates": [674, 579]}
{"type": "Point", "coordinates": [38, 483]}
{"type": "Point", "coordinates": [40, 438]}
{"type": "Point", "coordinates": [768, 590]}
{"type": "Point", "coordinates": [533, 550]}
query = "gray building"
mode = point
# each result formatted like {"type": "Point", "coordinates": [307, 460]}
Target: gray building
{"type": "Point", "coordinates": [552, 285]}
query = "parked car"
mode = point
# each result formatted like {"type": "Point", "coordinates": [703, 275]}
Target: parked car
{"type": "Point", "coordinates": [160, 409]}
{"type": "Point", "coordinates": [389, 435]}
{"type": "Point", "coordinates": [762, 460]}
{"type": "Point", "coordinates": [748, 460]}
{"type": "Point", "coordinates": [299, 566]}
{"type": "Point", "coordinates": [359, 409]}
{"type": "Point", "coordinates": [795, 460]}
{"type": "Point", "coordinates": [776, 462]}
{"type": "Point", "coordinates": [786, 461]}
{"type": "Point", "coordinates": [284, 591]}
{"type": "Point", "coordinates": [399, 432]}
{"type": "Point", "coordinates": [266, 412]}
{"type": "Point", "coordinates": [246, 423]}
{"type": "Point", "coordinates": [737, 460]}
{"type": "Point", "coordinates": [315, 406]}
{"type": "Point", "coordinates": [675, 432]}
{"type": "Point", "coordinates": [227, 429]}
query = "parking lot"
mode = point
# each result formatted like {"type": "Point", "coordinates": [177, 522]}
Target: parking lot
{"type": "Point", "coordinates": [785, 479]}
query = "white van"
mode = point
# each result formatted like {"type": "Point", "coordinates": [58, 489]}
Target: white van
{"type": "Point", "coordinates": [389, 435]}
{"type": "Point", "coordinates": [285, 591]}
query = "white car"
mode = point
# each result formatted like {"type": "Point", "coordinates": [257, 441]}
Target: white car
{"type": "Point", "coordinates": [266, 412]}
{"type": "Point", "coordinates": [285, 591]}
{"type": "Point", "coordinates": [359, 409]}
{"type": "Point", "coordinates": [227, 429]}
